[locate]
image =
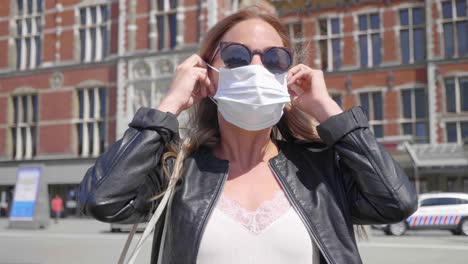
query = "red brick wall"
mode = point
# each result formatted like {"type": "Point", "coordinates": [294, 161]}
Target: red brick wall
{"type": "Point", "coordinates": [4, 32]}
{"type": "Point", "coordinates": [111, 132]}
{"type": "Point", "coordinates": [446, 70]}
{"type": "Point", "coordinates": [66, 46]}
{"type": "Point", "coordinates": [67, 39]}
{"type": "Point", "coordinates": [3, 109]}
{"type": "Point", "coordinates": [48, 54]}
{"type": "Point", "coordinates": [452, 68]}
{"type": "Point", "coordinates": [437, 40]}
{"type": "Point", "coordinates": [379, 79]}
{"type": "Point", "coordinates": [36, 81]}
{"type": "Point", "coordinates": [191, 27]}
{"type": "Point", "coordinates": [142, 33]}
{"type": "Point", "coordinates": [4, 28]}
{"type": "Point", "coordinates": [49, 38]}
{"type": "Point", "coordinates": [3, 59]}
{"type": "Point", "coordinates": [51, 110]}
{"type": "Point", "coordinates": [308, 29]}
{"type": "Point", "coordinates": [115, 28]}
{"type": "Point", "coordinates": [391, 110]}
{"type": "Point", "coordinates": [349, 54]}
{"type": "Point", "coordinates": [5, 8]}
{"type": "Point", "coordinates": [73, 77]}
{"type": "Point", "coordinates": [3, 138]}
{"type": "Point", "coordinates": [54, 139]}
{"type": "Point", "coordinates": [57, 106]}
{"type": "Point", "coordinates": [112, 101]}
{"type": "Point", "coordinates": [3, 121]}
{"type": "Point", "coordinates": [390, 50]}
{"type": "Point", "coordinates": [49, 141]}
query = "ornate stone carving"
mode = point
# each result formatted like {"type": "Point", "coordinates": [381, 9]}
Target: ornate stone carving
{"type": "Point", "coordinates": [56, 80]}
{"type": "Point", "coordinates": [165, 66]}
{"type": "Point", "coordinates": [141, 70]}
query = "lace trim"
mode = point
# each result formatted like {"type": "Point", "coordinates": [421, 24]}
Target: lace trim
{"type": "Point", "coordinates": [255, 221]}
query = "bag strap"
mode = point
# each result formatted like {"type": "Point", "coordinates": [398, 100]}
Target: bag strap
{"type": "Point", "coordinates": [163, 236]}
{"type": "Point", "coordinates": [123, 254]}
{"type": "Point", "coordinates": [149, 227]}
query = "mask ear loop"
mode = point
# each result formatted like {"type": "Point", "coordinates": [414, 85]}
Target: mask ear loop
{"type": "Point", "coordinates": [213, 68]}
{"type": "Point", "coordinates": [216, 70]}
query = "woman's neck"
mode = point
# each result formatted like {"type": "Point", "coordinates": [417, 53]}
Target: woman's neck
{"type": "Point", "coordinates": [242, 147]}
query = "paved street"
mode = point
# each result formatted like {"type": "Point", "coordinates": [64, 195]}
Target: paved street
{"type": "Point", "coordinates": [429, 247]}
{"type": "Point", "coordinates": [68, 242]}
{"type": "Point", "coordinates": [87, 241]}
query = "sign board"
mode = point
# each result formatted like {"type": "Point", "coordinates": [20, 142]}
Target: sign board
{"type": "Point", "coordinates": [30, 205]}
{"type": "Point", "coordinates": [26, 190]}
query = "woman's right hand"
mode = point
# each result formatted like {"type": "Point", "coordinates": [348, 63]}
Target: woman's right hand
{"type": "Point", "coordinates": [189, 85]}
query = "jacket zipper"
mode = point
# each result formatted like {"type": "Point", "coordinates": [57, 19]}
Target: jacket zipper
{"type": "Point", "coordinates": [298, 209]}
{"type": "Point", "coordinates": [210, 210]}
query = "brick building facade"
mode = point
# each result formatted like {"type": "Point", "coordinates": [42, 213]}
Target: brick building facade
{"type": "Point", "coordinates": [406, 63]}
{"type": "Point", "coordinates": [72, 73]}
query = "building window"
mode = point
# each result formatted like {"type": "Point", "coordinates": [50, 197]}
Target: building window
{"type": "Point", "coordinates": [369, 39]}
{"type": "Point", "coordinates": [456, 94]}
{"type": "Point", "coordinates": [28, 34]}
{"type": "Point", "coordinates": [297, 40]}
{"type": "Point", "coordinates": [457, 132]}
{"type": "Point", "coordinates": [452, 185]}
{"type": "Point", "coordinates": [91, 124]}
{"type": "Point", "coordinates": [94, 32]}
{"type": "Point", "coordinates": [24, 128]}
{"type": "Point", "coordinates": [415, 114]}
{"type": "Point", "coordinates": [412, 35]}
{"type": "Point", "coordinates": [148, 85]}
{"type": "Point", "coordinates": [455, 28]}
{"type": "Point", "coordinates": [330, 43]}
{"type": "Point", "coordinates": [372, 103]}
{"type": "Point", "coordinates": [166, 24]}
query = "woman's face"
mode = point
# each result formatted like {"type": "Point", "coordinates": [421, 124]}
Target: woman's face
{"type": "Point", "coordinates": [255, 34]}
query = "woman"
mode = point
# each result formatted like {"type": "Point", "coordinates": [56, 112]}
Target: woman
{"type": "Point", "coordinates": [255, 185]}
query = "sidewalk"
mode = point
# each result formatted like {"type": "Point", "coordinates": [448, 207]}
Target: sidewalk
{"type": "Point", "coordinates": [70, 241]}
{"type": "Point", "coordinates": [65, 225]}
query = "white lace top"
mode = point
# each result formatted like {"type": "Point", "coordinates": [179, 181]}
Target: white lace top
{"type": "Point", "coordinates": [272, 234]}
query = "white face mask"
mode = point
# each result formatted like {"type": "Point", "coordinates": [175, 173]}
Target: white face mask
{"type": "Point", "coordinates": [251, 97]}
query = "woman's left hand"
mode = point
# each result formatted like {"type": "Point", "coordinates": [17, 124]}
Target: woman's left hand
{"type": "Point", "coordinates": [314, 100]}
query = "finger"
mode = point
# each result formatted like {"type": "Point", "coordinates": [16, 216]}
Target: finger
{"type": "Point", "coordinates": [292, 93]}
{"type": "Point", "coordinates": [294, 70]}
{"type": "Point", "coordinates": [204, 81]}
{"type": "Point", "coordinates": [301, 74]}
{"type": "Point", "coordinates": [211, 89]}
{"type": "Point", "coordinates": [196, 60]}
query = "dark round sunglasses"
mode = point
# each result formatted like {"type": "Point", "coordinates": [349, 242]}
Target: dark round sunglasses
{"type": "Point", "coordinates": [275, 59]}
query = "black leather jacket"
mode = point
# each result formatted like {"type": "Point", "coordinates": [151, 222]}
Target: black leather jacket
{"type": "Point", "coordinates": [348, 180]}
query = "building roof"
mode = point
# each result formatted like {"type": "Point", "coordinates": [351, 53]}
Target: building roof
{"type": "Point", "coordinates": [438, 155]}
{"type": "Point", "coordinates": [443, 195]}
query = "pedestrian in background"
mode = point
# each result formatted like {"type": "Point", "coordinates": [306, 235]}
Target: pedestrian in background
{"type": "Point", "coordinates": [256, 180]}
{"type": "Point", "coordinates": [57, 207]}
